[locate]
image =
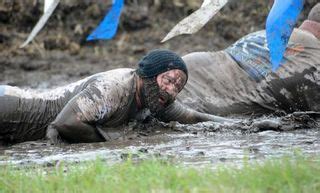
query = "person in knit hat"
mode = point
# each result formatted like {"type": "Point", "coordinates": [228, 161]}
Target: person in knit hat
{"type": "Point", "coordinates": [95, 109]}
{"type": "Point", "coordinates": [162, 75]}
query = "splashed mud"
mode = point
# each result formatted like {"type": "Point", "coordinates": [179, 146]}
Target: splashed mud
{"type": "Point", "coordinates": [198, 145]}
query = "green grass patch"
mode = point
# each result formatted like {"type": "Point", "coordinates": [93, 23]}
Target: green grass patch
{"type": "Point", "coordinates": [281, 175]}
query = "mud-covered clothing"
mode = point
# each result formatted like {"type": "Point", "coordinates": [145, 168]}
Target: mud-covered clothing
{"type": "Point", "coordinates": [84, 111]}
{"type": "Point", "coordinates": [103, 99]}
{"type": "Point", "coordinates": [239, 80]}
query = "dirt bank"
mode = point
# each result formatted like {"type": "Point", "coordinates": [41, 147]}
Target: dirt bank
{"type": "Point", "coordinates": [60, 53]}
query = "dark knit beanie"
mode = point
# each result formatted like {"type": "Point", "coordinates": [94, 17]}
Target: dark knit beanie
{"type": "Point", "coordinates": [159, 61]}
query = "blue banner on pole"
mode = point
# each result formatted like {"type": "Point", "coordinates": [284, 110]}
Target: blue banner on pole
{"type": "Point", "coordinates": [108, 27]}
{"type": "Point", "coordinates": [279, 26]}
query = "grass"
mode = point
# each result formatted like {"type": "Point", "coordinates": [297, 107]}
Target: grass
{"type": "Point", "coordinates": [282, 175]}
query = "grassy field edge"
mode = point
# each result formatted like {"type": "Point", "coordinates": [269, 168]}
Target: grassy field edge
{"type": "Point", "coordinates": [278, 175]}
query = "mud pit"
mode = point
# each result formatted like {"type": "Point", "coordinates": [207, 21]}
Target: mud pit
{"type": "Point", "coordinates": [188, 148]}
{"type": "Point", "coordinates": [198, 145]}
{"type": "Point", "coordinates": [60, 55]}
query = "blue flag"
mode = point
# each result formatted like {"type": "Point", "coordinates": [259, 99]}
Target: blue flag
{"type": "Point", "coordinates": [108, 27]}
{"type": "Point", "coordinates": [279, 26]}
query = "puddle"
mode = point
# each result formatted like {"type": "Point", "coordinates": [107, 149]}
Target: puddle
{"type": "Point", "coordinates": [190, 148]}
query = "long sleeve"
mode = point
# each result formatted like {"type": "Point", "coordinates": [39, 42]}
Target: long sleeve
{"type": "Point", "coordinates": [185, 115]}
{"type": "Point", "coordinates": [78, 120]}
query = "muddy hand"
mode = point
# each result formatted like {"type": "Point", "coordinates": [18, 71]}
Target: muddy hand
{"type": "Point", "coordinates": [110, 134]}
{"type": "Point", "coordinates": [267, 124]}
{"type": "Point", "coordinates": [52, 135]}
{"type": "Point", "coordinates": [312, 114]}
{"type": "Point", "coordinates": [298, 120]}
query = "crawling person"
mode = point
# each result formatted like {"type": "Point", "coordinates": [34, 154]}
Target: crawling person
{"type": "Point", "coordinates": [84, 111]}
{"type": "Point", "coordinates": [239, 79]}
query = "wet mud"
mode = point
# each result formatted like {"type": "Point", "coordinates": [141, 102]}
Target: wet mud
{"type": "Point", "coordinates": [60, 55]}
{"type": "Point", "coordinates": [202, 144]}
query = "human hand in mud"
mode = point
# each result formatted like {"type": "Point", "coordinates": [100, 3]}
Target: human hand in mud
{"type": "Point", "coordinates": [52, 135]}
{"type": "Point", "coordinates": [297, 120]}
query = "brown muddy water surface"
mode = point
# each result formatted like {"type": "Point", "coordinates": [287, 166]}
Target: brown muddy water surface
{"type": "Point", "coordinates": [199, 146]}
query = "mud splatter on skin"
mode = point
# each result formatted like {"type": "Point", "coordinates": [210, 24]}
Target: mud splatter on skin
{"type": "Point", "coordinates": [151, 95]}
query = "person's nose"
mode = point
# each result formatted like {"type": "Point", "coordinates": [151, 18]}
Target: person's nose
{"type": "Point", "coordinates": [172, 90]}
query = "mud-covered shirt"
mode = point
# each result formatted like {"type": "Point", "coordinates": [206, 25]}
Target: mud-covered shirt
{"type": "Point", "coordinates": [239, 80]}
{"type": "Point", "coordinates": [103, 99]}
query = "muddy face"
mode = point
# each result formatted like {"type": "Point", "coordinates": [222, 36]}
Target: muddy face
{"type": "Point", "coordinates": [154, 98]}
{"type": "Point", "coordinates": [172, 81]}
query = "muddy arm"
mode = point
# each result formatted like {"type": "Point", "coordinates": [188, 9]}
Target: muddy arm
{"type": "Point", "coordinates": [185, 115]}
{"type": "Point", "coordinates": [78, 120]}
{"type": "Point", "coordinates": [70, 127]}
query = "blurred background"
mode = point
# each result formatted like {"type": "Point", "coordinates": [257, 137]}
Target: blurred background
{"type": "Point", "coordinates": [60, 53]}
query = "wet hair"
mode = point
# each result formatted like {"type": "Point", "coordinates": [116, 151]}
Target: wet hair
{"type": "Point", "coordinates": [314, 14]}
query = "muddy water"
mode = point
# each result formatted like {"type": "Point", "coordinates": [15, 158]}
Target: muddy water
{"type": "Point", "coordinates": [194, 147]}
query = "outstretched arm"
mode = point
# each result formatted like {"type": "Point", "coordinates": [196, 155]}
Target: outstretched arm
{"type": "Point", "coordinates": [185, 115]}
